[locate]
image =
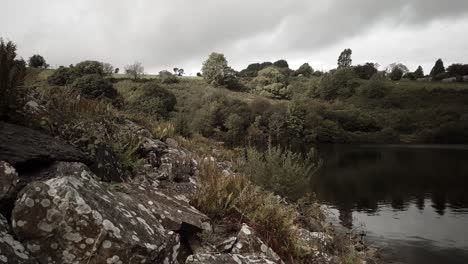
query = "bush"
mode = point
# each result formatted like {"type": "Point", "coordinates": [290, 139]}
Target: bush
{"type": "Point", "coordinates": [154, 100]}
{"type": "Point", "coordinates": [375, 88]}
{"type": "Point", "coordinates": [89, 67]}
{"type": "Point", "coordinates": [441, 76]}
{"type": "Point", "coordinates": [167, 78]}
{"type": "Point", "coordinates": [365, 71]}
{"type": "Point", "coordinates": [271, 82]}
{"type": "Point", "coordinates": [284, 172]}
{"type": "Point", "coordinates": [396, 74]}
{"type": "Point", "coordinates": [12, 74]}
{"type": "Point", "coordinates": [94, 87]}
{"type": "Point", "coordinates": [339, 83]}
{"type": "Point", "coordinates": [217, 72]}
{"type": "Point", "coordinates": [37, 61]}
{"type": "Point", "coordinates": [305, 70]}
{"type": "Point", "coordinates": [62, 76]}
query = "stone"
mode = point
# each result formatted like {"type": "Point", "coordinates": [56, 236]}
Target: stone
{"type": "Point", "coordinates": [106, 164]}
{"type": "Point", "coordinates": [249, 243]}
{"type": "Point", "coordinates": [25, 148]}
{"type": "Point", "coordinates": [8, 180]}
{"type": "Point", "coordinates": [11, 250]}
{"type": "Point", "coordinates": [223, 258]}
{"type": "Point", "coordinates": [74, 218]}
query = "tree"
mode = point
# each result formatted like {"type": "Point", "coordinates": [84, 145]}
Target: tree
{"type": "Point", "coordinates": [94, 86]}
{"type": "Point", "coordinates": [438, 68]}
{"type": "Point", "coordinates": [396, 74]}
{"type": "Point", "coordinates": [253, 69]}
{"type": "Point", "coordinates": [457, 69]}
{"type": "Point", "coordinates": [366, 71]}
{"type": "Point", "coordinates": [107, 68]}
{"type": "Point", "coordinates": [116, 70]}
{"type": "Point", "coordinates": [12, 73]}
{"type": "Point", "coordinates": [305, 70]}
{"type": "Point", "coordinates": [400, 66]}
{"type": "Point", "coordinates": [199, 74]}
{"type": "Point", "coordinates": [180, 72]}
{"type": "Point", "coordinates": [217, 72]}
{"type": "Point", "coordinates": [167, 78]}
{"type": "Point", "coordinates": [37, 61]}
{"type": "Point", "coordinates": [89, 67]}
{"type": "Point", "coordinates": [281, 64]}
{"type": "Point", "coordinates": [135, 70]}
{"type": "Point", "coordinates": [337, 84]}
{"type": "Point", "coordinates": [419, 73]}
{"type": "Point", "coordinates": [345, 58]}
{"type": "Point", "coordinates": [176, 70]}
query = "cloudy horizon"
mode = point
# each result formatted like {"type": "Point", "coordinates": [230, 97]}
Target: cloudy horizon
{"type": "Point", "coordinates": [163, 35]}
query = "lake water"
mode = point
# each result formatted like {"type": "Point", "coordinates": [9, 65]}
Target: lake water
{"type": "Point", "coordinates": [411, 201]}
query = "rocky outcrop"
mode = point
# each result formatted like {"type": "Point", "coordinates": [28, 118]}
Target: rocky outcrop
{"type": "Point", "coordinates": [11, 250]}
{"type": "Point", "coordinates": [25, 148]}
{"type": "Point", "coordinates": [8, 180]}
{"type": "Point", "coordinates": [74, 218]}
{"type": "Point", "coordinates": [226, 259]}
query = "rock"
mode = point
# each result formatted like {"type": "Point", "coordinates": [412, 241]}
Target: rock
{"type": "Point", "coordinates": [249, 243]}
{"type": "Point", "coordinates": [106, 164]}
{"type": "Point", "coordinates": [11, 250]}
{"type": "Point", "coordinates": [172, 143]}
{"type": "Point", "coordinates": [74, 218]}
{"type": "Point", "coordinates": [24, 148]}
{"type": "Point", "coordinates": [314, 239]}
{"type": "Point", "coordinates": [218, 258]}
{"type": "Point", "coordinates": [8, 186]}
{"type": "Point", "coordinates": [173, 212]}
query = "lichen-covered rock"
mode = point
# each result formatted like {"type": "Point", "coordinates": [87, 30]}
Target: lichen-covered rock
{"type": "Point", "coordinates": [249, 243]}
{"type": "Point", "coordinates": [74, 218]}
{"type": "Point", "coordinates": [24, 147]}
{"type": "Point", "coordinates": [8, 180]}
{"type": "Point", "coordinates": [227, 259]}
{"type": "Point", "coordinates": [316, 245]}
{"type": "Point", "coordinates": [11, 250]}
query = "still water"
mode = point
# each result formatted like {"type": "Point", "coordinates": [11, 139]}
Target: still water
{"type": "Point", "coordinates": [411, 201]}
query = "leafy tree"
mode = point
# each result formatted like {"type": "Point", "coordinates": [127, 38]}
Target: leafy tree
{"type": "Point", "coordinates": [199, 74]}
{"type": "Point", "coordinates": [94, 86]}
{"type": "Point", "coordinates": [167, 78]}
{"type": "Point", "coordinates": [12, 73]}
{"type": "Point", "coordinates": [345, 58]}
{"type": "Point", "coordinates": [88, 67]}
{"type": "Point", "coordinates": [365, 71]}
{"type": "Point", "coordinates": [281, 64]}
{"type": "Point", "coordinates": [37, 61]}
{"type": "Point", "coordinates": [419, 73]}
{"type": "Point", "coordinates": [136, 70]}
{"type": "Point", "coordinates": [339, 83]}
{"type": "Point", "coordinates": [62, 76]}
{"type": "Point", "coordinates": [180, 72]}
{"type": "Point", "coordinates": [457, 69]}
{"type": "Point", "coordinates": [271, 82]}
{"type": "Point", "coordinates": [116, 70]}
{"type": "Point", "coordinates": [305, 70]}
{"type": "Point", "coordinates": [400, 66]}
{"type": "Point", "coordinates": [253, 69]}
{"type": "Point", "coordinates": [217, 72]}
{"type": "Point", "coordinates": [107, 68]}
{"type": "Point", "coordinates": [396, 74]}
{"type": "Point", "coordinates": [409, 75]}
{"type": "Point", "coordinates": [438, 68]}
{"type": "Point", "coordinates": [176, 70]}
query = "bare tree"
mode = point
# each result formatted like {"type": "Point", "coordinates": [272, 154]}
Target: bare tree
{"type": "Point", "coordinates": [108, 69]}
{"type": "Point", "coordinates": [136, 69]}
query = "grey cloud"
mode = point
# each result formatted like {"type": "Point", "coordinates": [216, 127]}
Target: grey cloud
{"type": "Point", "coordinates": [163, 34]}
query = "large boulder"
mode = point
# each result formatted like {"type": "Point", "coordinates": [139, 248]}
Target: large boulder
{"type": "Point", "coordinates": [25, 148]}
{"type": "Point", "coordinates": [11, 250]}
{"type": "Point", "coordinates": [74, 218]}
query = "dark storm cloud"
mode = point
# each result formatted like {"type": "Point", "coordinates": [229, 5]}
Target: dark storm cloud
{"type": "Point", "coordinates": [163, 34]}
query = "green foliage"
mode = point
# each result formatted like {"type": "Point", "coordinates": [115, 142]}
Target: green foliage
{"type": "Point", "coordinates": [217, 72]}
{"type": "Point", "coordinates": [305, 70]}
{"type": "Point", "coordinates": [438, 68]}
{"type": "Point", "coordinates": [153, 99]}
{"type": "Point", "coordinates": [281, 64]}
{"type": "Point", "coordinates": [270, 82]}
{"type": "Point", "coordinates": [88, 67]}
{"type": "Point", "coordinates": [396, 74]}
{"type": "Point", "coordinates": [339, 84]}
{"type": "Point", "coordinates": [108, 69]}
{"type": "Point", "coordinates": [127, 151]}
{"type": "Point", "coordinates": [344, 60]}
{"type": "Point", "coordinates": [12, 74]}
{"type": "Point", "coordinates": [62, 76]}
{"type": "Point", "coordinates": [419, 73]}
{"type": "Point", "coordinates": [94, 86]}
{"type": "Point", "coordinates": [37, 61]}
{"type": "Point", "coordinates": [253, 69]}
{"type": "Point", "coordinates": [284, 172]}
{"type": "Point", "coordinates": [136, 70]}
{"type": "Point", "coordinates": [457, 69]}
{"type": "Point", "coordinates": [375, 88]}
{"type": "Point", "coordinates": [168, 78]}
{"type": "Point", "coordinates": [365, 71]}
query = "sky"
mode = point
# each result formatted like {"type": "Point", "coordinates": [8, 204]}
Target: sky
{"type": "Point", "coordinates": [182, 33]}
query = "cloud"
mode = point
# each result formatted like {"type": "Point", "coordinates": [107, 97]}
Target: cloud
{"type": "Point", "coordinates": [165, 34]}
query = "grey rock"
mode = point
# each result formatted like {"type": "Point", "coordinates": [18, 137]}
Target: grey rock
{"type": "Point", "coordinates": [222, 258]}
{"type": "Point", "coordinates": [24, 147]}
{"type": "Point", "coordinates": [8, 180]}
{"type": "Point", "coordinates": [249, 243]}
{"type": "Point", "coordinates": [11, 250]}
{"type": "Point", "coordinates": [74, 218]}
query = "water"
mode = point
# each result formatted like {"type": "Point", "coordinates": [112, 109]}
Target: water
{"type": "Point", "coordinates": [412, 201]}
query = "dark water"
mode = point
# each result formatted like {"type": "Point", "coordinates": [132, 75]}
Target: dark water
{"type": "Point", "coordinates": [412, 201]}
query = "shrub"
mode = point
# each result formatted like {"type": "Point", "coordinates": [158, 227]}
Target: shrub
{"type": "Point", "coordinates": [88, 67]}
{"type": "Point", "coordinates": [94, 87]}
{"type": "Point", "coordinates": [168, 78]}
{"type": "Point", "coordinates": [340, 83]}
{"type": "Point", "coordinates": [365, 71]}
{"type": "Point", "coordinates": [396, 74]}
{"type": "Point", "coordinates": [154, 100]}
{"type": "Point", "coordinates": [62, 76]}
{"type": "Point", "coordinates": [441, 76]}
{"type": "Point", "coordinates": [375, 88]}
{"type": "Point", "coordinates": [281, 171]}
{"type": "Point", "coordinates": [217, 72]}
{"type": "Point", "coordinates": [108, 69]}
{"type": "Point", "coordinates": [136, 70]}
{"type": "Point", "coordinates": [281, 64]}
{"type": "Point", "coordinates": [271, 82]}
{"type": "Point", "coordinates": [12, 74]}
{"type": "Point", "coordinates": [305, 70]}
{"type": "Point", "coordinates": [37, 61]}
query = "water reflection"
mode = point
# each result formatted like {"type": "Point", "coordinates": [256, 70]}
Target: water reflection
{"type": "Point", "coordinates": [383, 186]}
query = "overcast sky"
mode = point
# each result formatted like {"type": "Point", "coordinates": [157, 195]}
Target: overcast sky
{"type": "Point", "coordinates": [181, 33]}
